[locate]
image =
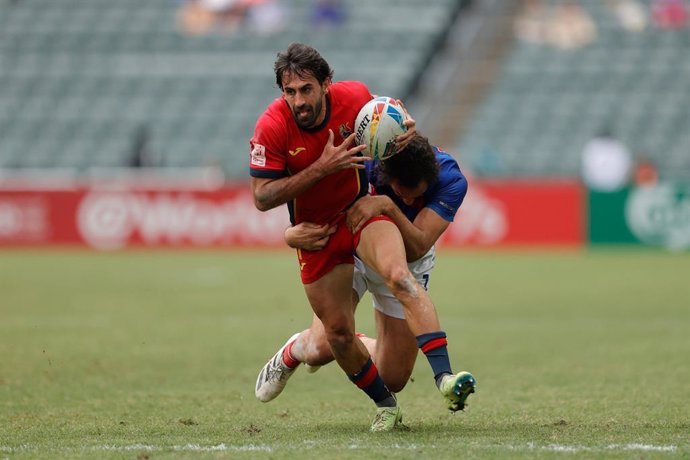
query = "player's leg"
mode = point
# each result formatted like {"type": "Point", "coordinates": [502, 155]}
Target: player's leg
{"type": "Point", "coordinates": [309, 346]}
{"type": "Point", "coordinates": [312, 348]}
{"type": "Point", "coordinates": [316, 355]}
{"type": "Point", "coordinates": [330, 298]}
{"type": "Point", "coordinates": [274, 375]}
{"type": "Point", "coordinates": [395, 345]}
{"type": "Point", "coordinates": [316, 345]}
{"type": "Point", "coordinates": [396, 351]}
{"type": "Point", "coordinates": [382, 248]}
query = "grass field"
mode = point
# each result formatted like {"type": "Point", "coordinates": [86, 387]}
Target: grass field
{"type": "Point", "coordinates": [154, 355]}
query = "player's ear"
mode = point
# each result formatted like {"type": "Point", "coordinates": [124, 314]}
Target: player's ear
{"type": "Point", "coordinates": [326, 85]}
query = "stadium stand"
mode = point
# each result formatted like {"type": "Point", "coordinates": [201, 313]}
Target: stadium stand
{"type": "Point", "coordinates": [80, 78]}
{"type": "Point", "coordinates": [546, 102]}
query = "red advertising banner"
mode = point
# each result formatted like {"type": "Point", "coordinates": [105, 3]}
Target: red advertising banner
{"type": "Point", "coordinates": [494, 214]}
{"type": "Point", "coordinates": [520, 213]}
{"type": "Point", "coordinates": [108, 220]}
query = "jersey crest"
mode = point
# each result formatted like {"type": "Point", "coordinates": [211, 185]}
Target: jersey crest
{"type": "Point", "coordinates": [345, 130]}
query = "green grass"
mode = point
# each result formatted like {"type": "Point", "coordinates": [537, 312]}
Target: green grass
{"type": "Point", "coordinates": [154, 355]}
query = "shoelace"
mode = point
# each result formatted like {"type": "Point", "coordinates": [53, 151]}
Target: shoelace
{"type": "Point", "coordinates": [378, 420]}
{"type": "Point", "coordinates": [381, 416]}
{"type": "Point", "coordinates": [276, 371]}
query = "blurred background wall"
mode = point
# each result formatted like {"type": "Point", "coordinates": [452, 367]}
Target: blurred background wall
{"type": "Point", "coordinates": [126, 123]}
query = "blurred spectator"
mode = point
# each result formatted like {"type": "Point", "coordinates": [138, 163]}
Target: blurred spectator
{"type": "Point", "coordinates": [141, 155]}
{"type": "Point", "coordinates": [266, 17]}
{"type": "Point", "coordinates": [564, 25]}
{"type": "Point", "coordinates": [199, 17]}
{"type": "Point", "coordinates": [630, 14]}
{"type": "Point", "coordinates": [571, 27]}
{"type": "Point", "coordinates": [645, 173]}
{"type": "Point", "coordinates": [532, 21]}
{"type": "Point", "coordinates": [328, 13]}
{"type": "Point", "coordinates": [606, 163]}
{"type": "Point", "coordinates": [670, 14]}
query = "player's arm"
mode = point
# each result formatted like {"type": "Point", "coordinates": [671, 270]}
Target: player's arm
{"type": "Point", "coordinates": [270, 192]}
{"type": "Point", "coordinates": [309, 236]}
{"type": "Point", "coordinates": [419, 236]}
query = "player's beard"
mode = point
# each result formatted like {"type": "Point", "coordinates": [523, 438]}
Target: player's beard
{"type": "Point", "coordinates": [307, 119]}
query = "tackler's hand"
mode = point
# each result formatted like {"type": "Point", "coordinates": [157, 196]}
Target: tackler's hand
{"type": "Point", "coordinates": [402, 140]}
{"type": "Point", "coordinates": [364, 209]}
{"type": "Point", "coordinates": [309, 236]}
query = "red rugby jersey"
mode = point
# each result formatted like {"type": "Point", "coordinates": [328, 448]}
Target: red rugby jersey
{"type": "Point", "coordinates": [280, 147]}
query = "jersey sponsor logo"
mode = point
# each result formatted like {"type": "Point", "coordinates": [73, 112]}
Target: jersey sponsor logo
{"type": "Point", "coordinates": [296, 151]}
{"type": "Point", "coordinates": [301, 265]}
{"type": "Point", "coordinates": [258, 155]}
{"type": "Point", "coordinates": [447, 206]}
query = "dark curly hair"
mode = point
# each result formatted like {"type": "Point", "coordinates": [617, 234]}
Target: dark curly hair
{"type": "Point", "coordinates": [301, 60]}
{"type": "Point", "coordinates": [412, 165]}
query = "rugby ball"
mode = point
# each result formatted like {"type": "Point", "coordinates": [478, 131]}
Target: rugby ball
{"type": "Point", "coordinates": [376, 126]}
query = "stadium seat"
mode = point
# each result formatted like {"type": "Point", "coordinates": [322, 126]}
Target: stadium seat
{"type": "Point", "coordinates": [79, 77]}
{"type": "Point", "coordinates": [546, 103]}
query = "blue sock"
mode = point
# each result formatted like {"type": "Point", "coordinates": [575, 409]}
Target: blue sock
{"type": "Point", "coordinates": [434, 345]}
{"type": "Point", "coordinates": [369, 381]}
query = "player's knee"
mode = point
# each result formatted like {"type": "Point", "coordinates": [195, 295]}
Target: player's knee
{"type": "Point", "coordinates": [315, 351]}
{"type": "Point", "coordinates": [400, 280]}
{"type": "Point", "coordinates": [340, 338]}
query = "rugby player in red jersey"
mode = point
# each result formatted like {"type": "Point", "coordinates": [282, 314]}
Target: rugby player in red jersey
{"type": "Point", "coordinates": [302, 155]}
{"type": "Point", "coordinates": [421, 188]}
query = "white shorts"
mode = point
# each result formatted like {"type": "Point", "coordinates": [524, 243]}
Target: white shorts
{"type": "Point", "coordinates": [384, 301]}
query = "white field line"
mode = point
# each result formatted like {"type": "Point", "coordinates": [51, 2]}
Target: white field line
{"type": "Point", "coordinates": [306, 445]}
{"type": "Point", "coordinates": [610, 447]}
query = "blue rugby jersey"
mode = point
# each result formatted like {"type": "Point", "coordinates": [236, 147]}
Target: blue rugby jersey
{"type": "Point", "coordinates": [444, 196]}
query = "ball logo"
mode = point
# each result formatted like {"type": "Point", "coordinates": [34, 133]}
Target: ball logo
{"type": "Point", "coordinates": [660, 215]}
{"type": "Point", "coordinates": [360, 129]}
